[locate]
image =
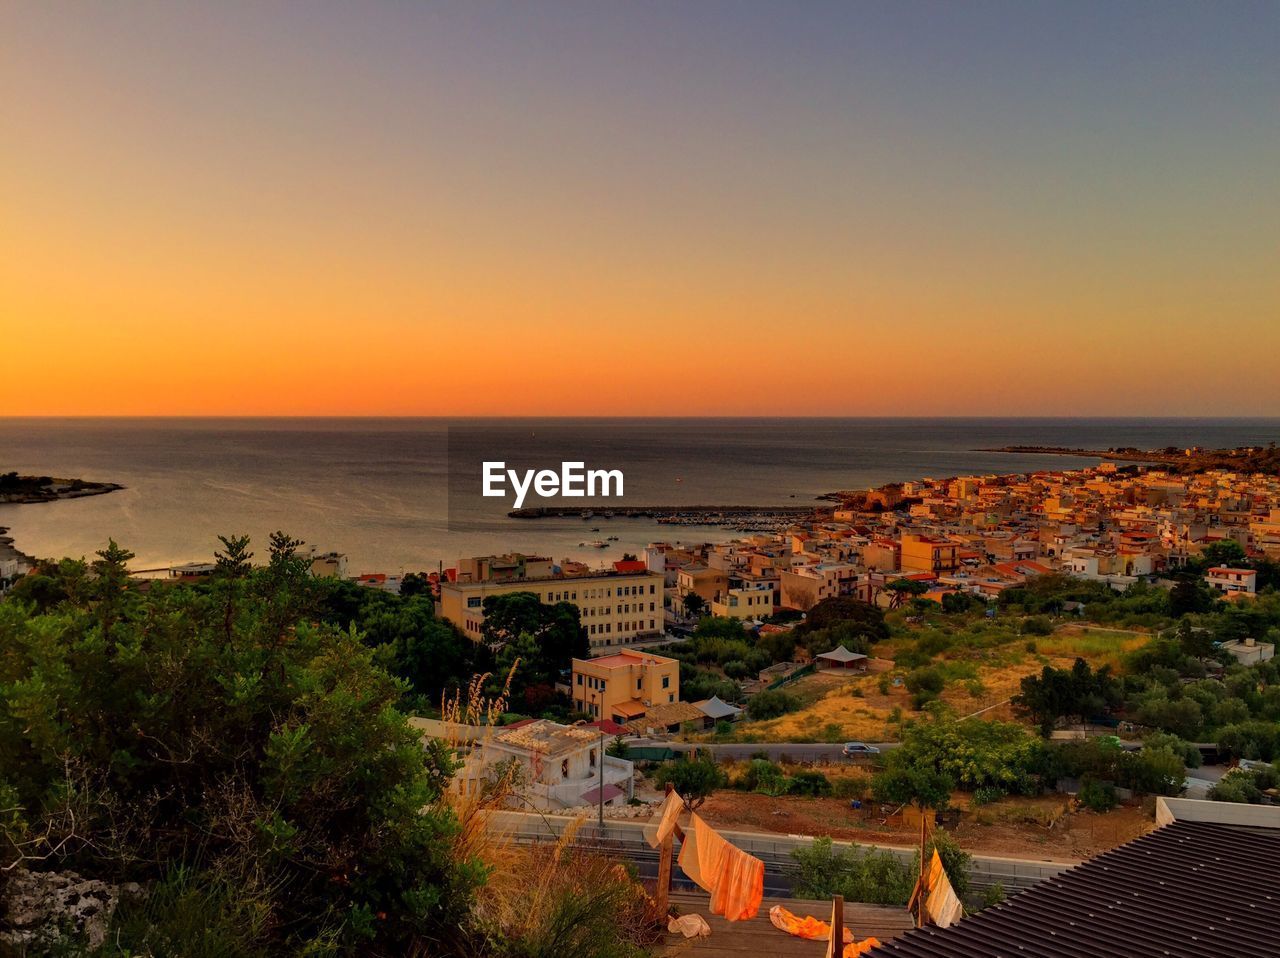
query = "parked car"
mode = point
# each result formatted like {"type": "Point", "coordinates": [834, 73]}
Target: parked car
{"type": "Point", "coordinates": [859, 749]}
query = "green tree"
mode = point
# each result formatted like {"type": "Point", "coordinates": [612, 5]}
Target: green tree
{"type": "Point", "coordinates": [694, 778]}
{"type": "Point", "coordinates": [1190, 596]}
{"type": "Point", "coordinates": [694, 604]}
{"type": "Point", "coordinates": [770, 703]}
{"type": "Point", "coordinates": [858, 617]}
{"type": "Point", "coordinates": [902, 589]}
{"type": "Point", "coordinates": [1059, 693]}
{"type": "Point", "coordinates": [1226, 552]}
{"type": "Point", "coordinates": [544, 637]}
{"type": "Point", "coordinates": [225, 730]}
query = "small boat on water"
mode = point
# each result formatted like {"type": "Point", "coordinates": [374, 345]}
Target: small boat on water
{"type": "Point", "coordinates": [599, 545]}
{"type": "Point", "coordinates": [612, 538]}
{"type": "Point", "coordinates": [595, 528]}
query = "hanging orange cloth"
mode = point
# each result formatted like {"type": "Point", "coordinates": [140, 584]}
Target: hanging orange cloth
{"type": "Point", "coordinates": [941, 902]}
{"type": "Point", "coordinates": [734, 878]}
{"type": "Point", "coordinates": [666, 820]}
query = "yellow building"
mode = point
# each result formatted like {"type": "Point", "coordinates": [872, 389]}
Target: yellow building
{"type": "Point", "coordinates": [617, 608]}
{"type": "Point", "coordinates": [922, 553]}
{"type": "Point", "coordinates": [624, 686]}
{"type": "Point", "coordinates": [743, 604]}
{"type": "Point", "coordinates": [701, 580]}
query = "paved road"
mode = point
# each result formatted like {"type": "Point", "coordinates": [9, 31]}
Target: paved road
{"type": "Point", "coordinates": [795, 751]}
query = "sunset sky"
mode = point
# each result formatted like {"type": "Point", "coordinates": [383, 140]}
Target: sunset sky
{"type": "Point", "coordinates": [529, 208]}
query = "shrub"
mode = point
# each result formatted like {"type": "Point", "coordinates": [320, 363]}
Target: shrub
{"type": "Point", "coordinates": [809, 783]}
{"type": "Point", "coordinates": [762, 775]}
{"type": "Point", "coordinates": [994, 895]}
{"type": "Point", "coordinates": [1097, 796]}
{"type": "Point", "coordinates": [1037, 625]}
{"type": "Point", "coordinates": [862, 875]}
{"type": "Point", "coordinates": [987, 794]}
{"type": "Point", "coordinates": [225, 729]}
{"type": "Point", "coordinates": [771, 703]}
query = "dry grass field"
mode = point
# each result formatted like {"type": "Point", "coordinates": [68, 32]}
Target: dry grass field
{"type": "Point", "coordinates": [980, 678]}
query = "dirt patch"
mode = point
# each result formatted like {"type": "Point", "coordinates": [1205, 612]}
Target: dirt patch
{"type": "Point", "coordinates": [1041, 827]}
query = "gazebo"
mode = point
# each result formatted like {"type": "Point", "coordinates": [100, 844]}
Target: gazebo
{"type": "Point", "coordinates": [842, 658]}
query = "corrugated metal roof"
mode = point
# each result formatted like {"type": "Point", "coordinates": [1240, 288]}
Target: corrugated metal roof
{"type": "Point", "coordinates": [1187, 890]}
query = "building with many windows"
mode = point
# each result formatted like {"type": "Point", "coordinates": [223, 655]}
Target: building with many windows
{"type": "Point", "coordinates": [618, 608]}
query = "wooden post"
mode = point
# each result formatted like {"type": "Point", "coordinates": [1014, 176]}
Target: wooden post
{"type": "Point", "coordinates": [661, 895]}
{"type": "Point", "coordinates": [837, 927]}
{"type": "Point", "coordinates": [924, 885]}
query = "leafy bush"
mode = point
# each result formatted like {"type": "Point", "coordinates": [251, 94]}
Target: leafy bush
{"type": "Point", "coordinates": [224, 728]}
{"type": "Point", "coordinates": [762, 775]}
{"type": "Point", "coordinates": [861, 875]}
{"type": "Point", "coordinates": [809, 783]}
{"type": "Point", "coordinates": [925, 684]}
{"type": "Point", "coordinates": [1245, 786]}
{"type": "Point", "coordinates": [994, 895]}
{"type": "Point", "coordinates": [987, 794]}
{"type": "Point", "coordinates": [1037, 625]}
{"type": "Point", "coordinates": [1097, 796]}
{"type": "Point", "coordinates": [771, 703]}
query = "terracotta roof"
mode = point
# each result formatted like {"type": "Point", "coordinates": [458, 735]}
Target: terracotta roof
{"type": "Point", "coordinates": [675, 713]}
{"type": "Point", "coordinates": [631, 708]}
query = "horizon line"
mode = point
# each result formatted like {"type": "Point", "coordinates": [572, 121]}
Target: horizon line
{"type": "Point", "coordinates": [638, 416]}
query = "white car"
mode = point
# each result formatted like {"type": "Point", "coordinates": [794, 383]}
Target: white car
{"type": "Point", "coordinates": [857, 749]}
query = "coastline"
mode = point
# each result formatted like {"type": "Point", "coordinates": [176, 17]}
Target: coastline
{"type": "Point", "coordinates": [11, 553]}
{"type": "Point", "coordinates": [1263, 459]}
{"type": "Point", "coordinates": [32, 490]}
{"type": "Point", "coordinates": [18, 490]}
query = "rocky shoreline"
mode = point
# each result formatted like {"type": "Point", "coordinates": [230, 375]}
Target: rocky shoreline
{"type": "Point", "coordinates": [27, 490]}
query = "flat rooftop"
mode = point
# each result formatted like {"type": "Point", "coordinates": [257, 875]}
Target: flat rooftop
{"type": "Point", "coordinates": [547, 737]}
{"type": "Point", "coordinates": [618, 660]}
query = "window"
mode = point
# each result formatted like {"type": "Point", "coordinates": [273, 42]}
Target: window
{"type": "Point", "coordinates": [473, 602]}
{"type": "Point", "coordinates": [666, 681]}
{"type": "Point", "coordinates": [579, 678]}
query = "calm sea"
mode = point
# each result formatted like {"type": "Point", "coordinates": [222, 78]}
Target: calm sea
{"type": "Point", "coordinates": [378, 489]}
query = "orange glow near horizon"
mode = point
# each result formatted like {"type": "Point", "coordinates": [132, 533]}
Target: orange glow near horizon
{"type": "Point", "coordinates": [250, 227]}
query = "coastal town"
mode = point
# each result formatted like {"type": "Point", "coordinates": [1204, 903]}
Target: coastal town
{"type": "Point", "coordinates": [1088, 639]}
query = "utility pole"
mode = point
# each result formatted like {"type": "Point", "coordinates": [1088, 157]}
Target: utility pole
{"type": "Point", "coordinates": [600, 727]}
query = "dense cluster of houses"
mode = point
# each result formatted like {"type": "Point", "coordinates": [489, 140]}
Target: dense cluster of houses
{"type": "Point", "coordinates": [985, 534]}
